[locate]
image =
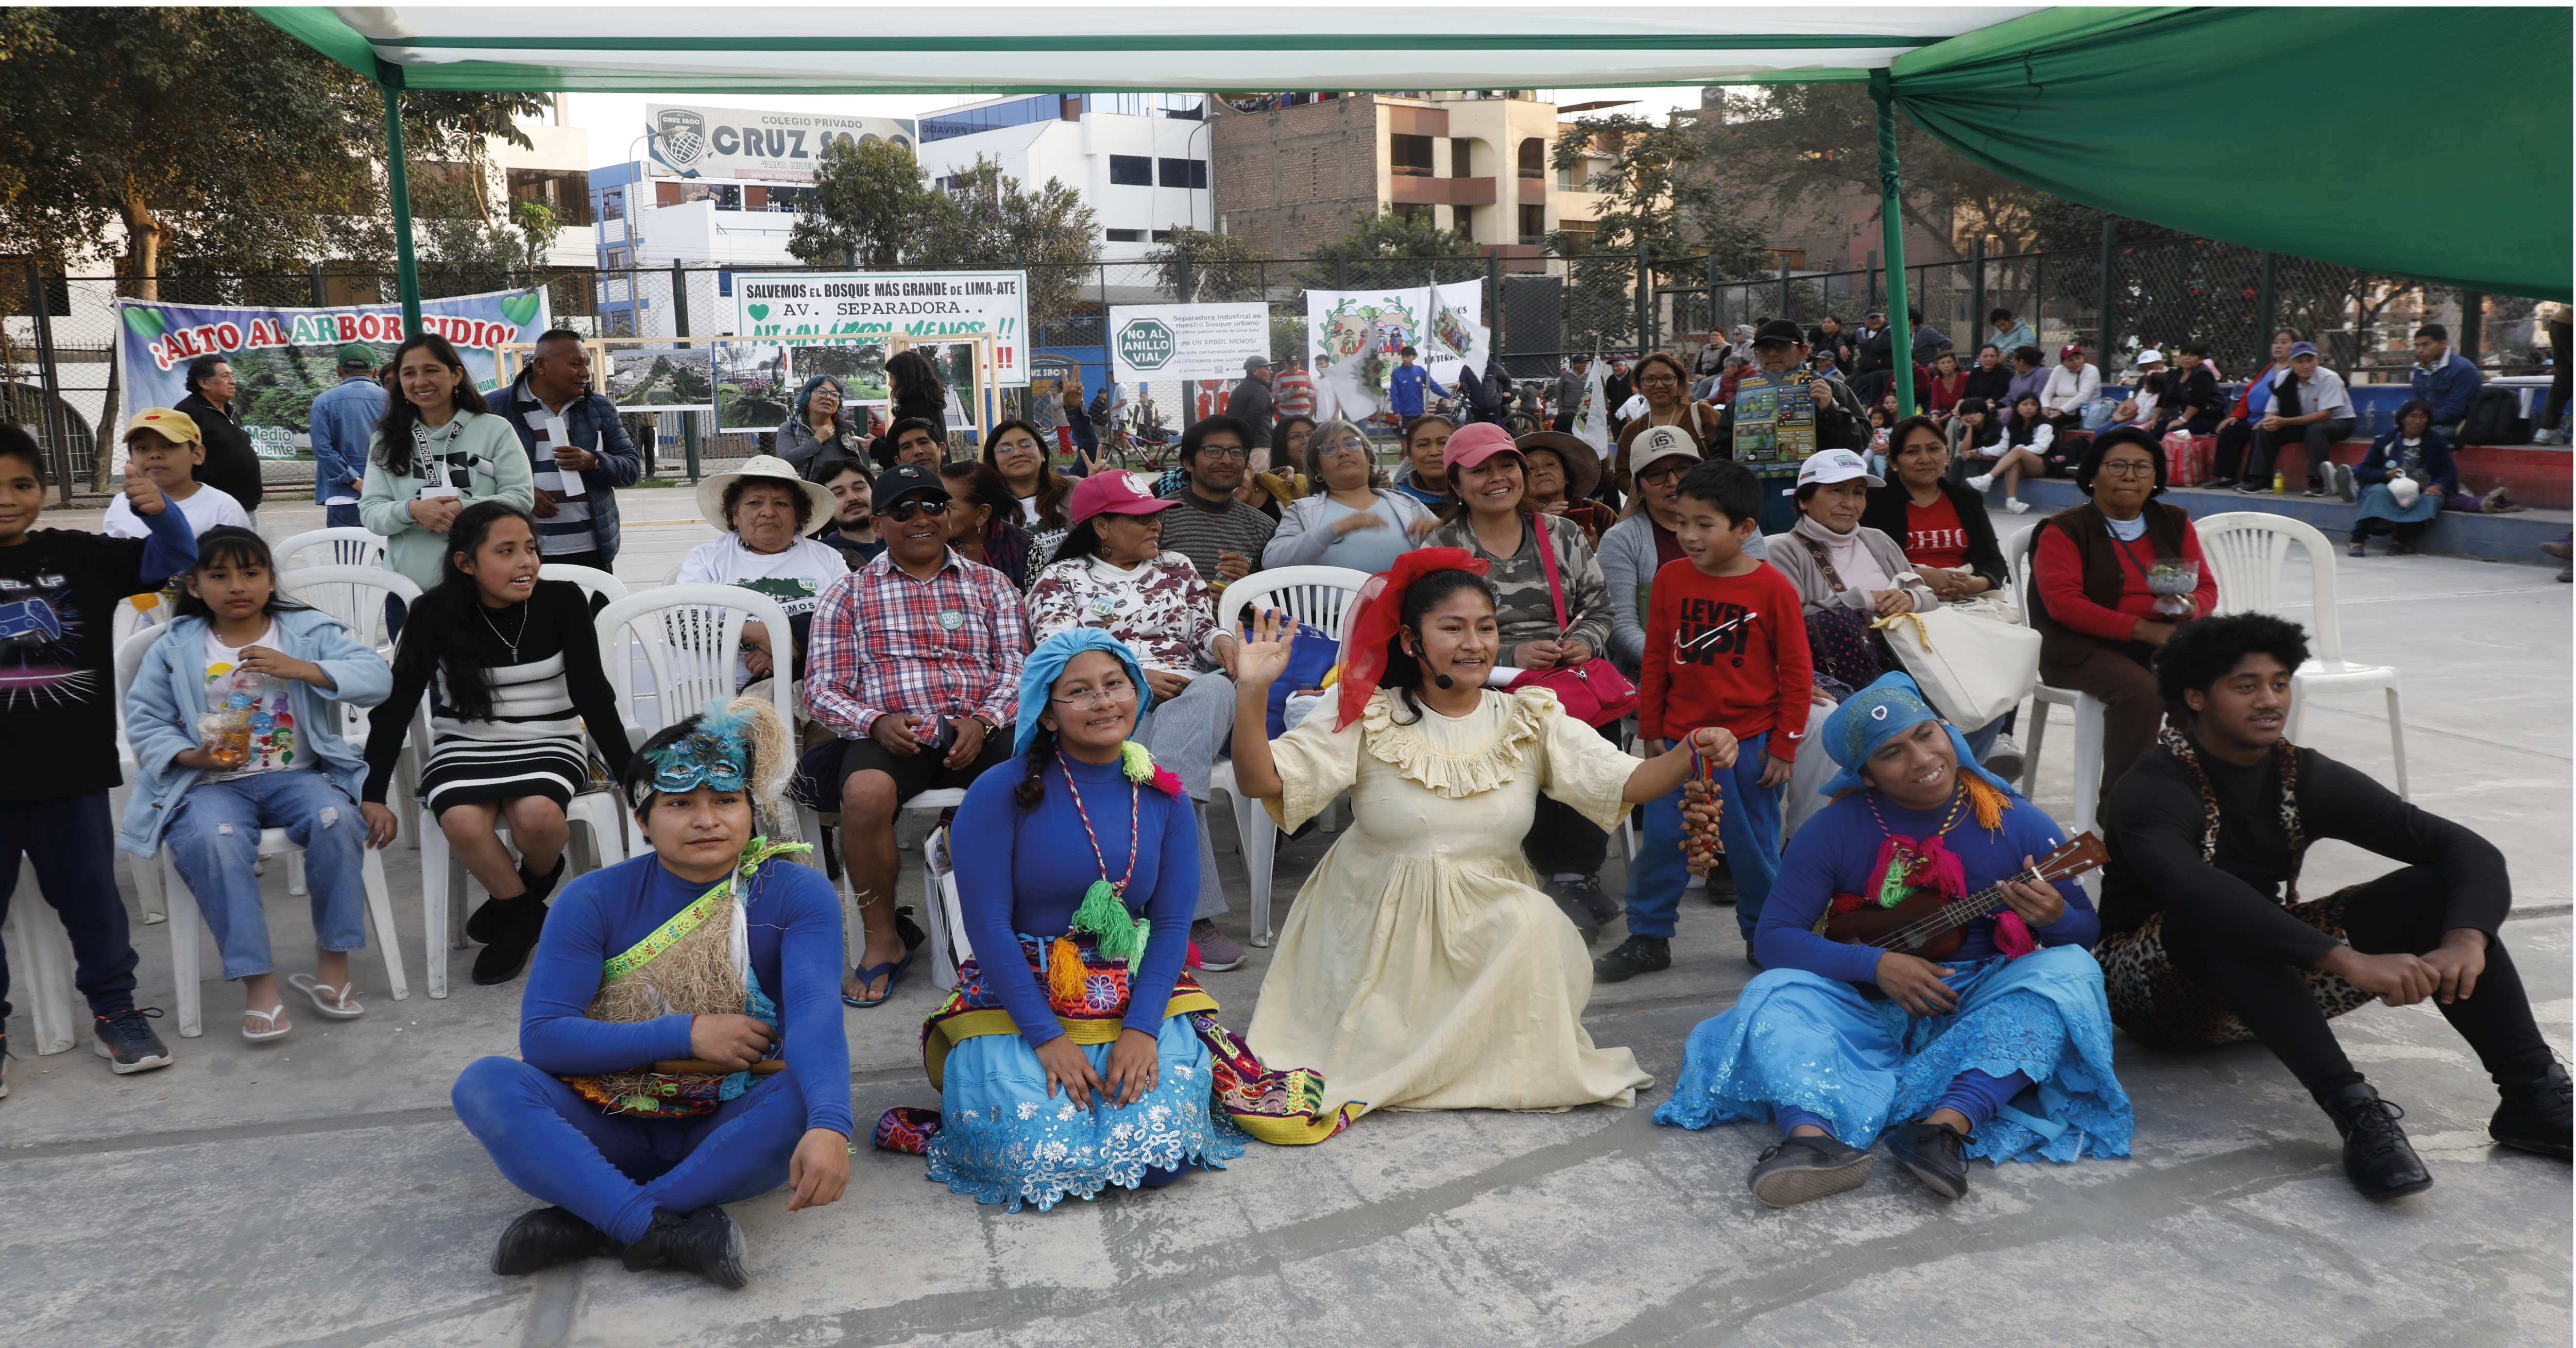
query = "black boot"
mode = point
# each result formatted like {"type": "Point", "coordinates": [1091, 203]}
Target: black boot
{"type": "Point", "coordinates": [1636, 955]}
{"type": "Point", "coordinates": [507, 952]}
{"type": "Point", "coordinates": [1931, 1151]}
{"type": "Point", "coordinates": [543, 1239]}
{"type": "Point", "coordinates": [2376, 1157]}
{"type": "Point", "coordinates": [495, 916]}
{"type": "Point", "coordinates": [542, 887]}
{"type": "Point", "coordinates": [706, 1242]}
{"type": "Point", "coordinates": [2534, 1116]}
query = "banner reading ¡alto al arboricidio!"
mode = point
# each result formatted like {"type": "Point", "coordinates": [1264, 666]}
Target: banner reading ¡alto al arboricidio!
{"type": "Point", "coordinates": [284, 358]}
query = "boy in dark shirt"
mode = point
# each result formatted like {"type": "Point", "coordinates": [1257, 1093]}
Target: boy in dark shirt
{"type": "Point", "coordinates": [59, 589]}
{"type": "Point", "coordinates": [1726, 645]}
{"type": "Point", "coordinates": [2204, 946]}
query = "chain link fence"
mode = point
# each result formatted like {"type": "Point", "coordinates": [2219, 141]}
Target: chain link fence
{"type": "Point", "coordinates": [58, 377]}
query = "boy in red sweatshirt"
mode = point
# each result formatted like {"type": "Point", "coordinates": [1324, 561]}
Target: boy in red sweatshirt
{"type": "Point", "coordinates": [1726, 645]}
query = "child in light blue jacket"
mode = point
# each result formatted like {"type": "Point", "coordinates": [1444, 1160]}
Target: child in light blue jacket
{"type": "Point", "coordinates": [234, 722]}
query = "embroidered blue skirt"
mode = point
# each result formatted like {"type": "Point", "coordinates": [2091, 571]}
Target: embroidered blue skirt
{"type": "Point", "coordinates": [1795, 1038]}
{"type": "Point", "coordinates": [1001, 1140]}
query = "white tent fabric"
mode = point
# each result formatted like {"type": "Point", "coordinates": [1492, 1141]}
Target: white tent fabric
{"type": "Point", "coordinates": [974, 47]}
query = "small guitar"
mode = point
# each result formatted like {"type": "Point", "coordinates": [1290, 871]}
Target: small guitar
{"type": "Point", "coordinates": [1926, 925]}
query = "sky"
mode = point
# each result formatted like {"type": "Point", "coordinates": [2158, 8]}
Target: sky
{"type": "Point", "coordinates": [614, 120]}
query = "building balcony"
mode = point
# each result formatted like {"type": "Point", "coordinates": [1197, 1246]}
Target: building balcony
{"type": "Point", "coordinates": [1409, 191]}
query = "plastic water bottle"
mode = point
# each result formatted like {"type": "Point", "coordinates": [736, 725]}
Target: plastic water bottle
{"type": "Point", "coordinates": [2278, 480]}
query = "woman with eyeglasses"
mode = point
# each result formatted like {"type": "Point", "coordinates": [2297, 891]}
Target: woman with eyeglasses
{"type": "Point", "coordinates": [1666, 387]}
{"type": "Point", "coordinates": [2092, 599]}
{"type": "Point", "coordinates": [1113, 575]}
{"type": "Point", "coordinates": [1346, 522]}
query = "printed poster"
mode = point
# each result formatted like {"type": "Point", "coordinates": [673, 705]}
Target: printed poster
{"type": "Point", "coordinates": [858, 308]}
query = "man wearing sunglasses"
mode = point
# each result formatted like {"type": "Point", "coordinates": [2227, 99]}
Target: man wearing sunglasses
{"type": "Point", "coordinates": [914, 661]}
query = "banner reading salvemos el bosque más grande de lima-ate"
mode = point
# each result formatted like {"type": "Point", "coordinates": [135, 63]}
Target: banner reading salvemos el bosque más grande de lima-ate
{"type": "Point", "coordinates": [844, 308]}
{"type": "Point", "coordinates": [285, 357]}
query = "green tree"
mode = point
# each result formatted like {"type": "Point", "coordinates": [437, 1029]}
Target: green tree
{"type": "Point", "coordinates": [986, 218]}
{"type": "Point", "coordinates": [1802, 141]}
{"type": "Point", "coordinates": [871, 205]}
{"type": "Point", "coordinates": [202, 135]}
{"type": "Point", "coordinates": [1658, 202]}
{"type": "Point", "coordinates": [1367, 254]}
{"type": "Point", "coordinates": [1221, 267]}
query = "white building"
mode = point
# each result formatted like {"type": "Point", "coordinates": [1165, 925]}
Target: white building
{"type": "Point", "coordinates": [1140, 161]}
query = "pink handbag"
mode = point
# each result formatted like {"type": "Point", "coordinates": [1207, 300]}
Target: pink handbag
{"type": "Point", "coordinates": [1594, 692]}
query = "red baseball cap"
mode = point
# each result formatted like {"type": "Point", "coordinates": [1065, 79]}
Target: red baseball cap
{"type": "Point", "coordinates": [2070, 349]}
{"type": "Point", "coordinates": [1115, 493]}
{"type": "Point", "coordinates": [1474, 444]}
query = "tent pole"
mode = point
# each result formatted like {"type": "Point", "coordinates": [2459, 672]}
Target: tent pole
{"type": "Point", "coordinates": [398, 201]}
{"type": "Point", "coordinates": [1891, 224]}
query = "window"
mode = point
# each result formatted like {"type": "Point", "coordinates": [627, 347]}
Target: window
{"type": "Point", "coordinates": [791, 199]}
{"type": "Point", "coordinates": [566, 192]}
{"type": "Point", "coordinates": [1189, 107]}
{"type": "Point", "coordinates": [1409, 156]}
{"type": "Point", "coordinates": [1466, 219]}
{"type": "Point", "coordinates": [1412, 211]}
{"type": "Point", "coordinates": [1533, 224]}
{"type": "Point", "coordinates": [1131, 170]}
{"type": "Point", "coordinates": [1533, 158]}
{"type": "Point", "coordinates": [1184, 172]}
{"type": "Point", "coordinates": [991, 117]}
{"type": "Point", "coordinates": [726, 196]}
{"type": "Point", "coordinates": [612, 203]}
{"type": "Point", "coordinates": [616, 259]}
{"type": "Point", "coordinates": [1126, 236]}
{"type": "Point", "coordinates": [1461, 159]}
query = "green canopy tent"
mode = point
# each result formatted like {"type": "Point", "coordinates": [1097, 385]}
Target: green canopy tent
{"type": "Point", "coordinates": [2231, 123]}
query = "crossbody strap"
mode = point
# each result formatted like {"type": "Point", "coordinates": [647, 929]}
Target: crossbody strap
{"type": "Point", "coordinates": [1547, 564]}
{"type": "Point", "coordinates": [1823, 562]}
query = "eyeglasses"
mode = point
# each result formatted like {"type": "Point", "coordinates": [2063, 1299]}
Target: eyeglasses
{"type": "Point", "coordinates": [1348, 444]}
{"type": "Point", "coordinates": [1654, 379]}
{"type": "Point", "coordinates": [1224, 452]}
{"type": "Point", "coordinates": [933, 506]}
{"type": "Point", "coordinates": [1116, 690]}
{"type": "Point", "coordinates": [2130, 468]}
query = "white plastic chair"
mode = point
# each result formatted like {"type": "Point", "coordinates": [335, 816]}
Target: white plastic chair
{"type": "Point", "coordinates": [347, 545]}
{"type": "Point", "coordinates": [358, 595]}
{"type": "Point", "coordinates": [42, 969]}
{"type": "Point", "coordinates": [593, 581]}
{"type": "Point", "coordinates": [1323, 596]}
{"type": "Point", "coordinates": [130, 648]}
{"type": "Point", "coordinates": [182, 901]}
{"type": "Point", "coordinates": [944, 916]}
{"type": "Point", "coordinates": [2247, 552]}
{"type": "Point", "coordinates": [2089, 711]}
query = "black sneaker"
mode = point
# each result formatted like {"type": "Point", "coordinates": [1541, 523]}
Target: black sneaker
{"type": "Point", "coordinates": [2532, 1117]}
{"type": "Point", "coordinates": [1796, 1169]}
{"type": "Point", "coordinates": [126, 1040]}
{"type": "Point", "coordinates": [2213, 484]}
{"type": "Point", "coordinates": [543, 1239]}
{"type": "Point", "coordinates": [2376, 1156]}
{"type": "Point", "coordinates": [1931, 1151]}
{"type": "Point", "coordinates": [2358, 550]}
{"type": "Point", "coordinates": [1636, 955]}
{"type": "Point", "coordinates": [706, 1242]}
{"type": "Point", "coordinates": [1721, 885]}
{"type": "Point", "coordinates": [2314, 489]}
{"type": "Point", "coordinates": [1570, 901]}
{"type": "Point", "coordinates": [507, 955]}
{"type": "Point", "coordinates": [1594, 899]}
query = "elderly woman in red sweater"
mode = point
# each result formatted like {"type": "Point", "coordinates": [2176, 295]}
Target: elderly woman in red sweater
{"type": "Point", "coordinates": [2097, 580]}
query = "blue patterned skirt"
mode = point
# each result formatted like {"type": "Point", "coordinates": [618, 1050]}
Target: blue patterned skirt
{"type": "Point", "coordinates": [1796, 1038]}
{"type": "Point", "coordinates": [1001, 1140]}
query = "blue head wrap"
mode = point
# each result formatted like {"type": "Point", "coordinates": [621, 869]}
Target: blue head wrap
{"type": "Point", "coordinates": [1046, 665]}
{"type": "Point", "coordinates": [1890, 704]}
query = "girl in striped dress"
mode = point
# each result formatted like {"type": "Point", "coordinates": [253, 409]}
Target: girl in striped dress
{"type": "Point", "coordinates": [511, 667]}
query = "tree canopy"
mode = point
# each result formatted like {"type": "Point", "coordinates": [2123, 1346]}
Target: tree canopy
{"type": "Point", "coordinates": [1800, 141]}
{"type": "Point", "coordinates": [1380, 248]}
{"type": "Point", "coordinates": [875, 208]}
{"type": "Point", "coordinates": [1220, 267]}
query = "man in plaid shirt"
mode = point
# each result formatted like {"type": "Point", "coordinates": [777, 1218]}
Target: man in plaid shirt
{"type": "Point", "coordinates": [914, 661]}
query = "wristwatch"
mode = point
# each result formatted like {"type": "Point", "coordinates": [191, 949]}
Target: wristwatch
{"type": "Point", "coordinates": [982, 720]}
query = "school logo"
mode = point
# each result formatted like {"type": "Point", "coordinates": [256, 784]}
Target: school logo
{"type": "Point", "coordinates": [684, 137]}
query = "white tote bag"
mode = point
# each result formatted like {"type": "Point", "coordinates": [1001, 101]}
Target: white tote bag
{"type": "Point", "coordinates": [1971, 670]}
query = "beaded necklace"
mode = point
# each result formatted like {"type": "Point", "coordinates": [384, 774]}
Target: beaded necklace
{"type": "Point", "coordinates": [1104, 913]}
{"type": "Point", "coordinates": [1134, 796]}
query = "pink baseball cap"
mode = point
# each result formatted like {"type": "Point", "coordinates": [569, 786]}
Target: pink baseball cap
{"type": "Point", "coordinates": [1474, 444]}
{"type": "Point", "coordinates": [1115, 493]}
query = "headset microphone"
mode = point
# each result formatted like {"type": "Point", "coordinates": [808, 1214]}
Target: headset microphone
{"type": "Point", "coordinates": [1444, 681]}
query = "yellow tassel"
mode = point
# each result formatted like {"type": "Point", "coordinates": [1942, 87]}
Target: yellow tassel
{"type": "Point", "coordinates": [1985, 800]}
{"type": "Point", "coordinates": [1064, 972]}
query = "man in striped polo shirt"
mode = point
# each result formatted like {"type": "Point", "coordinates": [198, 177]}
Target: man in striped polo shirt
{"type": "Point", "coordinates": [577, 450]}
{"type": "Point", "coordinates": [1220, 535]}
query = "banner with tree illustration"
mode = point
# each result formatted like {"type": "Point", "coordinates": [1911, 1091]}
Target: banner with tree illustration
{"type": "Point", "coordinates": [1353, 337]}
{"type": "Point", "coordinates": [284, 358]}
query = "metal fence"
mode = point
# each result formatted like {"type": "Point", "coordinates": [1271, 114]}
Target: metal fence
{"type": "Point", "coordinates": [57, 375]}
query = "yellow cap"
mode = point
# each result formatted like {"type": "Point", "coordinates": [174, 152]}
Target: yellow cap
{"type": "Point", "coordinates": [170, 424]}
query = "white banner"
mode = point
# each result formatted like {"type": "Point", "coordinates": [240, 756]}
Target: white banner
{"type": "Point", "coordinates": [854, 308]}
{"type": "Point", "coordinates": [1186, 341]}
{"type": "Point", "coordinates": [1353, 338]}
{"type": "Point", "coordinates": [705, 142]}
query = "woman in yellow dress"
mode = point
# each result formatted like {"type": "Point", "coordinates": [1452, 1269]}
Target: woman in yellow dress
{"type": "Point", "coordinates": [1421, 968]}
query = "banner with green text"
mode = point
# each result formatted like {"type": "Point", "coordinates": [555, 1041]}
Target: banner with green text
{"type": "Point", "coordinates": [859, 308]}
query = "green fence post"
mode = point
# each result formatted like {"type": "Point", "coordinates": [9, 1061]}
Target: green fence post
{"type": "Point", "coordinates": [1891, 215]}
{"type": "Point", "coordinates": [398, 198]}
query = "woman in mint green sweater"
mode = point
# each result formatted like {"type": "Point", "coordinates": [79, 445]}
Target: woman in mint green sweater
{"type": "Point", "coordinates": [438, 450]}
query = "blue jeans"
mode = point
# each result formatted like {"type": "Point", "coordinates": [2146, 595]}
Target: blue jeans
{"type": "Point", "coordinates": [1981, 740]}
{"type": "Point", "coordinates": [340, 516]}
{"type": "Point", "coordinates": [1749, 824]}
{"type": "Point", "coordinates": [214, 838]}
{"type": "Point", "coordinates": [613, 1170]}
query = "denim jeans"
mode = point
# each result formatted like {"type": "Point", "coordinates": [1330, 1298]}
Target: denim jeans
{"type": "Point", "coordinates": [340, 516]}
{"type": "Point", "coordinates": [214, 838]}
{"type": "Point", "coordinates": [1748, 823]}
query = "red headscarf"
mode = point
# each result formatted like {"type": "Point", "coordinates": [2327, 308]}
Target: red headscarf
{"type": "Point", "coordinates": [1378, 614]}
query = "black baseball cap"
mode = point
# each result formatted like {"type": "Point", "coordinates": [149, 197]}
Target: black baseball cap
{"type": "Point", "coordinates": [1779, 330]}
{"type": "Point", "coordinates": [904, 479]}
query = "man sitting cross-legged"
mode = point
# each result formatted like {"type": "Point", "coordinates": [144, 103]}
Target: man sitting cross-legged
{"type": "Point", "coordinates": [2209, 943]}
{"type": "Point", "coordinates": [914, 661]}
{"type": "Point", "coordinates": [2000, 1048]}
{"type": "Point", "coordinates": [679, 1045]}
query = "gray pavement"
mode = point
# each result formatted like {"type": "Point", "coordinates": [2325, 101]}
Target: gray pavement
{"type": "Point", "coordinates": [317, 1190]}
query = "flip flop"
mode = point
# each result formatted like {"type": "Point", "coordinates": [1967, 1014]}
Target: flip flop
{"type": "Point", "coordinates": [868, 974]}
{"type": "Point", "coordinates": [278, 1026]}
{"type": "Point", "coordinates": [342, 1004]}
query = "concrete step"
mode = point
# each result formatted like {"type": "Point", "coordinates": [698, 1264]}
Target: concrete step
{"type": "Point", "coordinates": [2514, 537]}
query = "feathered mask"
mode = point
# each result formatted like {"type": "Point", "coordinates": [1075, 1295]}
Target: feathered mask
{"type": "Point", "coordinates": [735, 746]}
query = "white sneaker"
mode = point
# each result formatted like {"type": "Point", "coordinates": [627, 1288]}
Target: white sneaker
{"type": "Point", "coordinates": [2017, 506]}
{"type": "Point", "coordinates": [1980, 482]}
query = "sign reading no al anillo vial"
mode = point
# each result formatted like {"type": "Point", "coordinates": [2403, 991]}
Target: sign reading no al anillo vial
{"type": "Point", "coordinates": [1186, 341]}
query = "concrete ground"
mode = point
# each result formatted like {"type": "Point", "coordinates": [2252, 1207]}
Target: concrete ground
{"type": "Point", "coordinates": [318, 1191]}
